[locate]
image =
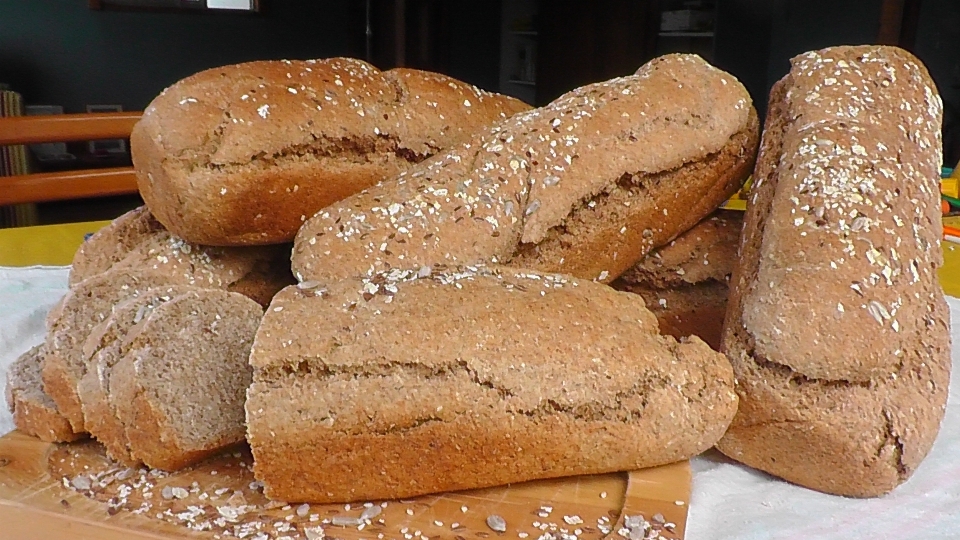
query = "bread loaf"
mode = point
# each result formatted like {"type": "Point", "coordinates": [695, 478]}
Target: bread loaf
{"type": "Point", "coordinates": [180, 386]}
{"type": "Point", "coordinates": [837, 327]}
{"type": "Point", "coordinates": [586, 185]}
{"type": "Point", "coordinates": [686, 282]}
{"type": "Point", "coordinates": [113, 243]}
{"type": "Point", "coordinates": [243, 154]}
{"type": "Point", "coordinates": [441, 379]}
{"type": "Point", "coordinates": [34, 413]}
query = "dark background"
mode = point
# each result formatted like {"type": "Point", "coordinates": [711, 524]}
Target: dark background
{"type": "Point", "coordinates": [62, 52]}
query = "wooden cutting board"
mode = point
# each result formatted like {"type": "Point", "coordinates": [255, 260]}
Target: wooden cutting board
{"type": "Point", "coordinates": [53, 492]}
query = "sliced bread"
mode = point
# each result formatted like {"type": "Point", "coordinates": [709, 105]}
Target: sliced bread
{"type": "Point", "coordinates": [34, 413]}
{"type": "Point", "coordinates": [112, 243]}
{"type": "Point", "coordinates": [180, 387]}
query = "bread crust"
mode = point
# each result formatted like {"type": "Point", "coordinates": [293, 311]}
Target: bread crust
{"type": "Point", "coordinates": [243, 154]}
{"type": "Point", "coordinates": [836, 393]}
{"type": "Point", "coordinates": [34, 413]}
{"type": "Point", "coordinates": [410, 383]}
{"type": "Point", "coordinates": [586, 185]}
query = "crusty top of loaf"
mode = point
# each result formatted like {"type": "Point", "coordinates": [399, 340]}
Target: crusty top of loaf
{"type": "Point", "coordinates": [512, 184]}
{"type": "Point", "coordinates": [706, 252]}
{"type": "Point", "coordinates": [497, 323]}
{"type": "Point", "coordinates": [851, 242]}
{"type": "Point", "coordinates": [231, 114]}
{"type": "Point", "coordinates": [112, 243]}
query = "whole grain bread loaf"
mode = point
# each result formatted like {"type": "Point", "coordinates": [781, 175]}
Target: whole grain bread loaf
{"type": "Point", "coordinates": [243, 154]}
{"type": "Point", "coordinates": [586, 185]}
{"type": "Point", "coordinates": [686, 282]}
{"type": "Point", "coordinates": [438, 379]}
{"type": "Point", "coordinates": [837, 327]}
{"type": "Point", "coordinates": [180, 386]}
{"type": "Point", "coordinates": [113, 243]}
{"type": "Point", "coordinates": [34, 413]}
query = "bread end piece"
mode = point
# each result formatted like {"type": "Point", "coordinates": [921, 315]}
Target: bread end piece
{"type": "Point", "coordinates": [34, 413]}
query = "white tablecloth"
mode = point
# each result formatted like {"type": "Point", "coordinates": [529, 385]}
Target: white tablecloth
{"type": "Point", "coordinates": [729, 501]}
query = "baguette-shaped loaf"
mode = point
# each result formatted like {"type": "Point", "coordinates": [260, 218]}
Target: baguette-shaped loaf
{"type": "Point", "coordinates": [243, 154]}
{"type": "Point", "coordinates": [585, 186]}
{"type": "Point", "coordinates": [442, 379]}
{"type": "Point", "coordinates": [837, 326]}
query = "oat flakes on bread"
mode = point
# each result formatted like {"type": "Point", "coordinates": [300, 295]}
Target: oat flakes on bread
{"type": "Point", "coordinates": [242, 154]}
{"type": "Point", "coordinates": [586, 185]}
{"type": "Point", "coordinates": [837, 327]}
{"type": "Point", "coordinates": [112, 243]}
{"type": "Point", "coordinates": [442, 379]}
{"type": "Point", "coordinates": [34, 413]}
{"type": "Point", "coordinates": [686, 282]}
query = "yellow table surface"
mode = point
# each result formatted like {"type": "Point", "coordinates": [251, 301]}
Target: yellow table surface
{"type": "Point", "coordinates": [55, 245]}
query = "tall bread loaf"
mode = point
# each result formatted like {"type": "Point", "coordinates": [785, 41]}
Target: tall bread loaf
{"type": "Point", "coordinates": [837, 326]}
{"type": "Point", "coordinates": [433, 380]}
{"type": "Point", "coordinates": [586, 185]}
{"type": "Point", "coordinates": [242, 154]}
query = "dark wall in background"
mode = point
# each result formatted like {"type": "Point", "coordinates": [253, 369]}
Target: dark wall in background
{"type": "Point", "coordinates": [938, 45]}
{"type": "Point", "coordinates": [60, 52]}
{"type": "Point", "coordinates": [63, 53]}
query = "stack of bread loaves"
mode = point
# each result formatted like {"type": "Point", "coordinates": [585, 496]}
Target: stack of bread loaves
{"type": "Point", "coordinates": [443, 320]}
{"type": "Point", "coordinates": [432, 365]}
{"type": "Point", "coordinates": [148, 351]}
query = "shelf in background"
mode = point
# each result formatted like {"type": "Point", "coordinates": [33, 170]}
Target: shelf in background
{"type": "Point", "coordinates": [525, 83]}
{"type": "Point", "coordinates": [686, 34]}
{"type": "Point", "coordinates": [531, 33]}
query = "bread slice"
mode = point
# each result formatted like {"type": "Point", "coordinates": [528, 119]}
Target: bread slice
{"type": "Point", "coordinates": [586, 185]}
{"type": "Point", "coordinates": [180, 386]}
{"type": "Point", "coordinates": [837, 328]}
{"type": "Point", "coordinates": [34, 413]}
{"type": "Point", "coordinates": [433, 380]}
{"type": "Point", "coordinates": [85, 305]}
{"type": "Point", "coordinates": [102, 349]}
{"type": "Point", "coordinates": [686, 282]}
{"type": "Point", "coordinates": [112, 243]}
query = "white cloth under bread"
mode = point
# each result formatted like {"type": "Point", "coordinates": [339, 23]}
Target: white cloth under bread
{"type": "Point", "coordinates": [729, 501]}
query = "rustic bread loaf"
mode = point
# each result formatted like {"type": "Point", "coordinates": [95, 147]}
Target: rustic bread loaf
{"type": "Point", "coordinates": [242, 154]}
{"type": "Point", "coordinates": [837, 326]}
{"type": "Point", "coordinates": [431, 380]}
{"type": "Point", "coordinates": [686, 282]}
{"type": "Point", "coordinates": [255, 271]}
{"type": "Point", "coordinates": [112, 243]}
{"type": "Point", "coordinates": [586, 185]}
{"type": "Point", "coordinates": [104, 347]}
{"type": "Point", "coordinates": [180, 386]}
{"type": "Point", "coordinates": [34, 413]}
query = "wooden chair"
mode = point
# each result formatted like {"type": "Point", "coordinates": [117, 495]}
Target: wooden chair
{"type": "Point", "coordinates": [76, 184]}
